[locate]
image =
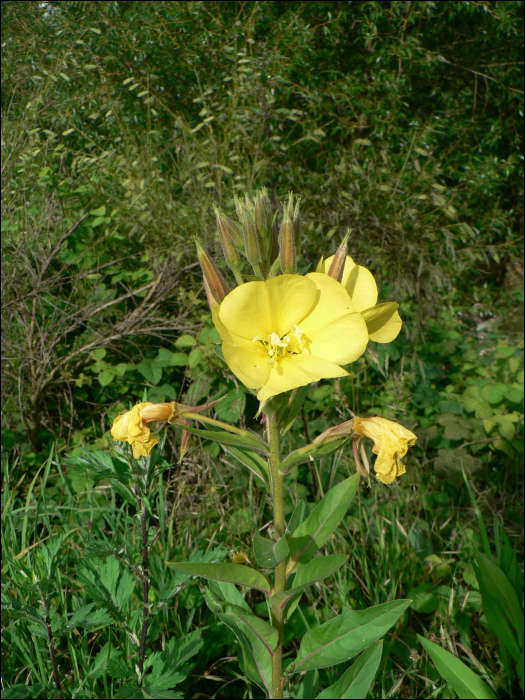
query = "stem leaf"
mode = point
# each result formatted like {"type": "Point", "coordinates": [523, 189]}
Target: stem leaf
{"type": "Point", "coordinates": [355, 682]}
{"type": "Point", "coordinates": [269, 553]}
{"type": "Point", "coordinates": [316, 569]}
{"type": "Point", "coordinates": [251, 460]}
{"type": "Point", "coordinates": [313, 532]}
{"type": "Point", "coordinates": [463, 680]}
{"type": "Point", "coordinates": [227, 438]}
{"type": "Point", "coordinates": [345, 636]}
{"type": "Point", "coordinates": [233, 573]}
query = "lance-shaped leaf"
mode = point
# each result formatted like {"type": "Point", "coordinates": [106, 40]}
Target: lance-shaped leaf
{"type": "Point", "coordinates": [346, 635]}
{"type": "Point", "coordinates": [495, 584]}
{"type": "Point", "coordinates": [269, 553]}
{"type": "Point", "coordinates": [355, 682]}
{"type": "Point", "coordinates": [300, 513]}
{"type": "Point", "coordinates": [258, 640]}
{"type": "Point", "coordinates": [463, 680]}
{"type": "Point", "coordinates": [322, 521]}
{"type": "Point", "coordinates": [251, 460]}
{"type": "Point", "coordinates": [304, 453]}
{"type": "Point", "coordinates": [233, 573]}
{"type": "Point", "coordinates": [228, 438]}
{"type": "Point", "coordinates": [292, 408]}
{"type": "Point", "coordinates": [316, 569]}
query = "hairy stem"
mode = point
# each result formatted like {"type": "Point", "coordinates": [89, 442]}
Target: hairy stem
{"type": "Point", "coordinates": [145, 582]}
{"type": "Point", "coordinates": [280, 569]}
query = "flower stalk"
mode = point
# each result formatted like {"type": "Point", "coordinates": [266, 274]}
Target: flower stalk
{"type": "Point", "coordinates": [276, 482]}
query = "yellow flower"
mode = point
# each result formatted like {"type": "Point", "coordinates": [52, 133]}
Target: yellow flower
{"type": "Point", "coordinates": [391, 442]}
{"type": "Point", "coordinates": [132, 427]}
{"type": "Point", "coordinates": [383, 320]}
{"type": "Point", "coordinates": [289, 331]}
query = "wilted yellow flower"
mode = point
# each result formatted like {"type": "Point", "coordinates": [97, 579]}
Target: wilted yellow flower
{"type": "Point", "coordinates": [383, 320]}
{"type": "Point", "coordinates": [132, 426]}
{"type": "Point", "coordinates": [391, 442]}
{"type": "Point", "coordinates": [289, 331]}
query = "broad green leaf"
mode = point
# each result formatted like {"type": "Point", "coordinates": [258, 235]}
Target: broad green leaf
{"type": "Point", "coordinates": [497, 618]}
{"type": "Point", "coordinates": [227, 438]}
{"type": "Point", "coordinates": [355, 682]}
{"type": "Point", "coordinates": [229, 593]}
{"type": "Point", "coordinates": [267, 635]}
{"type": "Point", "coordinates": [194, 357]}
{"type": "Point", "coordinates": [251, 460]}
{"type": "Point", "coordinates": [234, 573]}
{"type": "Point", "coordinates": [465, 682]}
{"type": "Point", "coordinates": [164, 358]}
{"type": "Point", "coordinates": [152, 373]}
{"type": "Point", "coordinates": [322, 521]}
{"type": "Point", "coordinates": [256, 655]}
{"type": "Point", "coordinates": [500, 588]}
{"type": "Point", "coordinates": [106, 377]}
{"type": "Point", "coordinates": [345, 636]}
{"type": "Point", "coordinates": [231, 406]}
{"type": "Point", "coordinates": [185, 341]}
{"type": "Point", "coordinates": [308, 686]}
{"type": "Point", "coordinates": [316, 569]}
{"type": "Point", "coordinates": [269, 553]}
{"type": "Point", "coordinates": [179, 359]}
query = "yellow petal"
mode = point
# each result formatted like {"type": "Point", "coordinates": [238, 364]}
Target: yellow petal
{"type": "Point", "coordinates": [391, 442]}
{"type": "Point", "coordinates": [341, 341]}
{"type": "Point", "coordinates": [260, 308]}
{"type": "Point", "coordinates": [358, 281]}
{"type": "Point", "coordinates": [248, 362]}
{"type": "Point", "coordinates": [291, 299]}
{"type": "Point", "coordinates": [383, 322]}
{"type": "Point", "coordinates": [131, 428]}
{"type": "Point", "coordinates": [332, 303]}
{"type": "Point", "coordinates": [298, 370]}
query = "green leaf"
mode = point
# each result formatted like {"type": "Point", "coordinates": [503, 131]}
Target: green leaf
{"type": "Point", "coordinates": [152, 373]}
{"type": "Point", "coordinates": [316, 569]}
{"type": "Point", "coordinates": [423, 599]}
{"type": "Point", "coordinates": [256, 655]}
{"type": "Point", "coordinates": [106, 581]}
{"type": "Point", "coordinates": [185, 341]}
{"type": "Point", "coordinates": [322, 521]}
{"type": "Point", "coordinates": [106, 377]}
{"type": "Point", "coordinates": [179, 359]}
{"type": "Point", "coordinates": [233, 573]}
{"type": "Point", "coordinates": [231, 407]}
{"type": "Point", "coordinates": [464, 682]}
{"type": "Point", "coordinates": [267, 635]}
{"type": "Point", "coordinates": [302, 455]}
{"type": "Point", "coordinates": [299, 515]}
{"type": "Point", "coordinates": [345, 636]}
{"type": "Point", "coordinates": [269, 553]}
{"type": "Point", "coordinates": [222, 592]}
{"type": "Point", "coordinates": [291, 411]}
{"type": "Point", "coordinates": [355, 682]}
{"type": "Point", "coordinates": [251, 460]}
{"type": "Point", "coordinates": [227, 438]}
{"type": "Point", "coordinates": [194, 357]}
{"type": "Point", "coordinates": [101, 211]}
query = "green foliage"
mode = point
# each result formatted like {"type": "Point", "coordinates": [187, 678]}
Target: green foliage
{"type": "Point", "coordinates": [122, 124]}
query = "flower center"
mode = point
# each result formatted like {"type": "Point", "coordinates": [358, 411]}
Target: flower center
{"type": "Point", "coordinates": [277, 347]}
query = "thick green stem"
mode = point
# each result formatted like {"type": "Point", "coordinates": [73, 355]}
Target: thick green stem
{"type": "Point", "coordinates": [280, 569]}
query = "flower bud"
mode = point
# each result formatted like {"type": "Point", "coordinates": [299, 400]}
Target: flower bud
{"type": "Point", "coordinates": [214, 282]}
{"type": "Point", "coordinates": [297, 225]}
{"type": "Point", "coordinates": [287, 241]}
{"type": "Point", "coordinates": [245, 211]}
{"type": "Point", "coordinates": [184, 443]}
{"type": "Point", "coordinates": [228, 229]}
{"type": "Point", "coordinates": [230, 253]}
{"type": "Point", "coordinates": [338, 263]}
{"type": "Point", "coordinates": [263, 221]}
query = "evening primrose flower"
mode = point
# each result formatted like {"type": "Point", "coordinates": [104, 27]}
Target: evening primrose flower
{"type": "Point", "coordinates": [382, 320]}
{"type": "Point", "coordinates": [289, 331]}
{"type": "Point", "coordinates": [391, 442]}
{"type": "Point", "coordinates": [132, 427]}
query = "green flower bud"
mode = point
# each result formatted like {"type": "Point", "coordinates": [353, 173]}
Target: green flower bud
{"type": "Point", "coordinates": [214, 282]}
{"type": "Point", "coordinates": [338, 263]}
{"type": "Point", "coordinates": [287, 240]}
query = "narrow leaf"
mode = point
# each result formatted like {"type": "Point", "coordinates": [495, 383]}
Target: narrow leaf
{"type": "Point", "coordinates": [322, 521]}
{"type": "Point", "coordinates": [355, 682]}
{"type": "Point", "coordinates": [227, 438]}
{"type": "Point", "coordinates": [257, 659]}
{"type": "Point", "coordinates": [233, 573]}
{"type": "Point", "coordinates": [251, 460]}
{"type": "Point", "coordinates": [345, 636]}
{"type": "Point", "coordinates": [316, 569]}
{"type": "Point", "coordinates": [465, 682]}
